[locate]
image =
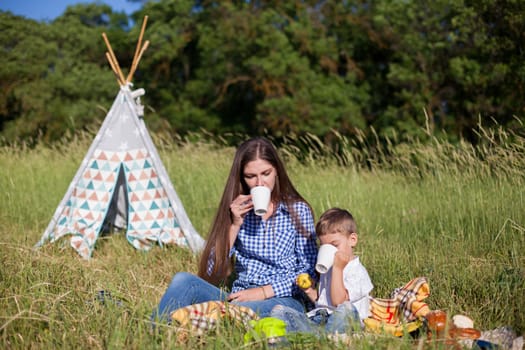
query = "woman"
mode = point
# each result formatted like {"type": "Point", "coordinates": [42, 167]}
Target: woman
{"type": "Point", "coordinates": [268, 251]}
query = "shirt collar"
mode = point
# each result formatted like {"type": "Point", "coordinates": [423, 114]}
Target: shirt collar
{"type": "Point", "coordinates": [282, 207]}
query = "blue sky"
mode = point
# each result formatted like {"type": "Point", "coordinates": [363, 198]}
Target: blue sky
{"type": "Point", "coordinates": [44, 10]}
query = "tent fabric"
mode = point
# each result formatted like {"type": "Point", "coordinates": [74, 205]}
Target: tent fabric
{"type": "Point", "coordinates": [122, 149]}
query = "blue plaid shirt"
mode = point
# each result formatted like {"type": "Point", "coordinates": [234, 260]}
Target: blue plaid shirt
{"type": "Point", "coordinates": [273, 251]}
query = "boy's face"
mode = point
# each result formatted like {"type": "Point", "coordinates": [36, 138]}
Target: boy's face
{"type": "Point", "coordinates": [343, 241]}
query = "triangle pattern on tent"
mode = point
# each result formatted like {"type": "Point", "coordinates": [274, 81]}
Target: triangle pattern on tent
{"type": "Point", "coordinates": [150, 220]}
{"type": "Point", "coordinates": [85, 209]}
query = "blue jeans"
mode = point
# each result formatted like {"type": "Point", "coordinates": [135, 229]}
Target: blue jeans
{"type": "Point", "coordinates": [344, 319]}
{"type": "Point", "coordinates": [187, 289]}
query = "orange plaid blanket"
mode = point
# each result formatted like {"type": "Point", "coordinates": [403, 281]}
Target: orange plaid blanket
{"type": "Point", "coordinates": [198, 319]}
{"type": "Point", "coordinates": [403, 311]}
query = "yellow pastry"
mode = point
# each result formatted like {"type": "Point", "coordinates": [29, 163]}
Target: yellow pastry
{"type": "Point", "coordinates": [304, 281]}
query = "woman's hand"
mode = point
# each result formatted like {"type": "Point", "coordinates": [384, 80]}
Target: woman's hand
{"type": "Point", "coordinates": [239, 207]}
{"type": "Point", "coordinates": [252, 294]}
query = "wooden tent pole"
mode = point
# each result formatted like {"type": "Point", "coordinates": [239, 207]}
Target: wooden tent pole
{"type": "Point", "coordinates": [138, 50]}
{"type": "Point", "coordinates": [122, 81]}
{"type": "Point", "coordinates": [113, 68]}
{"type": "Point", "coordinates": [136, 63]}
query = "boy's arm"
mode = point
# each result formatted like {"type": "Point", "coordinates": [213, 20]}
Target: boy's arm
{"type": "Point", "coordinates": [338, 292]}
{"type": "Point", "coordinates": [311, 293]}
{"type": "Point", "coordinates": [307, 285]}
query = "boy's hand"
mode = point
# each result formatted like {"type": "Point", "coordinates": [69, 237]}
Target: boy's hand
{"type": "Point", "coordinates": [311, 293]}
{"type": "Point", "coordinates": [304, 281]}
{"type": "Point", "coordinates": [341, 259]}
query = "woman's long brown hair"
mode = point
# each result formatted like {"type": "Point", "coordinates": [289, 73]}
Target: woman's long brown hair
{"type": "Point", "coordinates": [217, 245]}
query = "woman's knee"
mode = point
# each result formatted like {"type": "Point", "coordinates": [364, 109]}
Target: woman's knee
{"type": "Point", "coordinates": [182, 279]}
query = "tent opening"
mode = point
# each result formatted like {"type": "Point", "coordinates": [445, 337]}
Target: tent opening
{"type": "Point", "coordinates": [117, 215]}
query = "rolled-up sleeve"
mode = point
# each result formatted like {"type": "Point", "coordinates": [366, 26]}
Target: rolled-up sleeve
{"type": "Point", "coordinates": [305, 250]}
{"type": "Point", "coordinates": [306, 247]}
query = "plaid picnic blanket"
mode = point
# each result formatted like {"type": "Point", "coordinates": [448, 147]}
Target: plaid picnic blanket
{"type": "Point", "coordinates": [403, 311]}
{"type": "Point", "coordinates": [199, 319]}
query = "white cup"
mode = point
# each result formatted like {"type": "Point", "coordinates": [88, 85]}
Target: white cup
{"type": "Point", "coordinates": [325, 257]}
{"type": "Point", "coordinates": [261, 199]}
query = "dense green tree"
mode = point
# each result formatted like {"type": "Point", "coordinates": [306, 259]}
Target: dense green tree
{"type": "Point", "coordinates": [417, 61]}
{"type": "Point", "coordinates": [170, 66]}
{"type": "Point", "coordinates": [26, 51]}
{"type": "Point", "coordinates": [487, 66]}
{"type": "Point", "coordinates": [456, 60]}
{"type": "Point", "coordinates": [245, 67]}
{"type": "Point", "coordinates": [56, 78]}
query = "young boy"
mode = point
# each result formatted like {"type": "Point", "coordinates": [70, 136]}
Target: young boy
{"type": "Point", "coordinates": [343, 297]}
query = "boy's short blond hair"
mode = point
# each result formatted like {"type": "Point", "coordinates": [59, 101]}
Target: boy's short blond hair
{"type": "Point", "coordinates": [335, 220]}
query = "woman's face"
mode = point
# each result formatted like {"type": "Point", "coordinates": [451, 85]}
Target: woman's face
{"type": "Point", "coordinates": [259, 173]}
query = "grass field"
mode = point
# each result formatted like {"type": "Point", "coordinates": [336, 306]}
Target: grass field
{"type": "Point", "coordinates": [452, 213]}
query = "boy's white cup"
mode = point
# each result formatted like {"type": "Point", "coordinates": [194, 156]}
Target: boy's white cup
{"type": "Point", "coordinates": [325, 257]}
{"type": "Point", "coordinates": [261, 199]}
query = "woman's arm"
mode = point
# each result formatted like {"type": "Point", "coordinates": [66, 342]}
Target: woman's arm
{"type": "Point", "coordinates": [234, 231]}
{"type": "Point", "coordinates": [253, 294]}
{"type": "Point", "coordinates": [238, 208]}
{"type": "Point", "coordinates": [306, 246]}
{"type": "Point", "coordinates": [304, 250]}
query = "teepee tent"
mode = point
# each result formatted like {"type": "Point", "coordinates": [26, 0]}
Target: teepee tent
{"type": "Point", "coordinates": [122, 182]}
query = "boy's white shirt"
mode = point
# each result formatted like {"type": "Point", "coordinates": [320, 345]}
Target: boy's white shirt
{"type": "Point", "coordinates": [356, 281]}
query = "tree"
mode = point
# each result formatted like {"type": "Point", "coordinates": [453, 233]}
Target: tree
{"type": "Point", "coordinates": [55, 77]}
{"type": "Point", "coordinates": [249, 67]}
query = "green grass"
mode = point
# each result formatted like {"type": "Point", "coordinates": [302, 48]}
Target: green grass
{"type": "Point", "coordinates": [452, 213]}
